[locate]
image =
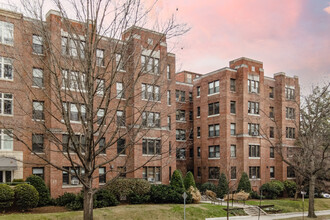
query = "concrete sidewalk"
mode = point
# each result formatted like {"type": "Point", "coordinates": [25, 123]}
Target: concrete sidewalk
{"type": "Point", "coordinates": [273, 216]}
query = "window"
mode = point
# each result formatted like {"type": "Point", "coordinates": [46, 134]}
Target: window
{"type": "Point", "coordinates": [119, 89]}
{"type": "Point", "coordinates": [38, 143]}
{"type": "Point", "coordinates": [290, 152]}
{"type": "Point", "coordinates": [271, 132]}
{"type": "Point", "coordinates": [253, 84]}
{"type": "Point", "coordinates": [122, 171]}
{"type": "Point", "coordinates": [253, 129]}
{"type": "Point", "coordinates": [214, 173]}
{"type": "Point", "coordinates": [289, 93]}
{"type": "Point", "coordinates": [232, 107]}
{"type": "Point", "coordinates": [71, 47]}
{"type": "Point", "coordinates": [38, 110]}
{"type": "Point", "coordinates": [102, 175]}
{"type": "Point", "coordinates": [198, 151]}
{"type": "Point", "coordinates": [152, 174]}
{"type": "Point", "coordinates": [271, 112]}
{"type": "Point", "coordinates": [190, 97]}
{"type": "Point", "coordinates": [168, 97]}
{"type": "Point", "coordinates": [151, 146]}
{"type": "Point", "coordinates": [169, 122]}
{"type": "Point", "coordinates": [170, 148]}
{"type": "Point", "coordinates": [151, 119]}
{"type": "Point", "coordinates": [6, 104]}
{"type": "Point", "coordinates": [271, 92]}
{"type": "Point", "coordinates": [180, 135]}
{"type": "Point", "coordinates": [290, 133]}
{"type": "Point", "coordinates": [5, 176]}
{"type": "Point", "coordinates": [168, 71]}
{"type": "Point", "coordinates": [290, 113]}
{"type": "Point", "coordinates": [214, 130]}
{"type": "Point", "coordinates": [233, 85]}
{"type": "Point", "coordinates": [189, 78]}
{"type": "Point", "coordinates": [272, 172]}
{"type": "Point", "coordinates": [74, 114]}
{"type": "Point", "coordinates": [233, 173]}
{"type": "Point", "coordinates": [6, 140]}
{"type": "Point", "coordinates": [254, 172]}
{"type": "Point", "coordinates": [232, 129]}
{"type": "Point", "coordinates": [180, 115]}
{"type": "Point", "coordinates": [198, 94]}
{"type": "Point", "coordinates": [37, 44]}
{"type": "Point", "coordinates": [214, 87]}
{"type": "Point", "coordinates": [69, 177]}
{"type": "Point", "coordinates": [214, 151]}
{"type": "Point", "coordinates": [214, 108]}
{"type": "Point", "coordinates": [38, 171]}
{"type": "Point", "coordinates": [38, 77]}
{"type": "Point", "coordinates": [181, 153]}
{"type": "Point", "coordinates": [191, 134]}
{"type": "Point", "coordinates": [121, 146]}
{"type": "Point", "coordinates": [232, 150]}
{"type": "Point", "coordinates": [150, 92]}
{"type": "Point", "coordinates": [120, 118]}
{"type": "Point", "coordinates": [254, 151]}
{"type": "Point", "coordinates": [100, 86]}
{"type": "Point", "coordinates": [198, 132]}
{"type": "Point", "coordinates": [6, 68]}
{"type": "Point", "coordinates": [253, 108]}
{"type": "Point", "coordinates": [198, 111]}
{"type": "Point", "coordinates": [75, 143]}
{"type": "Point", "coordinates": [191, 152]}
{"type": "Point", "coordinates": [180, 96]}
{"type": "Point", "coordinates": [99, 57]}
{"type": "Point", "coordinates": [150, 64]}
{"type": "Point", "coordinates": [199, 173]}
{"type": "Point", "coordinates": [272, 152]}
{"type": "Point", "coordinates": [253, 68]}
{"type": "Point", "coordinates": [102, 146]}
{"type": "Point", "coordinates": [100, 116]}
{"type": "Point", "coordinates": [190, 115]}
{"type": "Point", "coordinates": [290, 172]}
{"type": "Point", "coordinates": [6, 33]}
{"type": "Point", "coordinates": [73, 80]}
{"type": "Point", "coordinates": [119, 62]}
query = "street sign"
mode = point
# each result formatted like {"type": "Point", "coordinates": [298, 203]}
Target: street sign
{"type": "Point", "coordinates": [184, 195]}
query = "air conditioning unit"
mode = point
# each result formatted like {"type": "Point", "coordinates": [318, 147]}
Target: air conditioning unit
{"type": "Point", "coordinates": [254, 90]}
{"type": "Point", "coordinates": [254, 133]}
{"type": "Point", "coordinates": [254, 177]}
{"type": "Point", "coordinates": [74, 182]}
{"type": "Point", "coordinates": [150, 179]}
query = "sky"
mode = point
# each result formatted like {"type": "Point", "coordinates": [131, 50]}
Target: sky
{"type": "Point", "coordinates": [291, 36]}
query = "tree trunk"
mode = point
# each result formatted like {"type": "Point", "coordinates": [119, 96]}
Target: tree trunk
{"type": "Point", "coordinates": [311, 211]}
{"type": "Point", "coordinates": [88, 203]}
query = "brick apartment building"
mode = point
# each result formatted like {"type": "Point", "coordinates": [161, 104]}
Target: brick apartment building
{"type": "Point", "coordinates": [212, 122]}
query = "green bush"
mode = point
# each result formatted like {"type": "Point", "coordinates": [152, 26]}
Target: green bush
{"type": "Point", "coordinates": [244, 183]}
{"type": "Point", "coordinates": [7, 196]}
{"type": "Point", "coordinates": [167, 194]}
{"type": "Point", "coordinates": [65, 199]}
{"type": "Point", "coordinates": [124, 187]}
{"type": "Point", "coordinates": [26, 196]}
{"type": "Point", "coordinates": [103, 198]}
{"type": "Point", "coordinates": [290, 187]}
{"type": "Point", "coordinates": [189, 180]}
{"type": "Point", "coordinates": [18, 181]}
{"type": "Point", "coordinates": [134, 198]}
{"type": "Point", "coordinates": [77, 203]}
{"type": "Point", "coordinates": [177, 180]}
{"type": "Point", "coordinates": [223, 186]}
{"type": "Point", "coordinates": [272, 189]}
{"type": "Point", "coordinates": [208, 186]}
{"type": "Point", "coordinates": [255, 195]}
{"type": "Point", "coordinates": [39, 184]}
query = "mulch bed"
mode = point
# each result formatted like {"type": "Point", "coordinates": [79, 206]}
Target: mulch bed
{"type": "Point", "coordinates": [38, 210]}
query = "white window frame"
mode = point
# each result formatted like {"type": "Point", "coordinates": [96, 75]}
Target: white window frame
{"type": "Point", "coordinates": [6, 140]}
{"type": "Point", "coordinates": [37, 73]}
{"type": "Point", "coordinates": [2, 103]}
{"type": "Point", "coordinates": [6, 33]}
{"type": "Point", "coordinates": [4, 61]}
{"type": "Point", "coordinates": [38, 42]}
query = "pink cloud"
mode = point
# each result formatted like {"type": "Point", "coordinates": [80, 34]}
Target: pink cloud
{"type": "Point", "coordinates": [327, 9]}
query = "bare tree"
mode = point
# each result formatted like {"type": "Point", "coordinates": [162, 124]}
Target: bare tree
{"type": "Point", "coordinates": [310, 158]}
{"type": "Point", "coordinates": [90, 82]}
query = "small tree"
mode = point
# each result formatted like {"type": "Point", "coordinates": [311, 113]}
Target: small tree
{"type": "Point", "coordinates": [189, 180]}
{"type": "Point", "coordinates": [39, 184]}
{"type": "Point", "coordinates": [223, 187]}
{"type": "Point", "coordinates": [244, 183]}
{"type": "Point", "coordinates": [177, 180]}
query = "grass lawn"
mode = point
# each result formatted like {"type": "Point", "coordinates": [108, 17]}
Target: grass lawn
{"type": "Point", "coordinates": [289, 205]}
{"type": "Point", "coordinates": [321, 217]}
{"type": "Point", "coordinates": [136, 212]}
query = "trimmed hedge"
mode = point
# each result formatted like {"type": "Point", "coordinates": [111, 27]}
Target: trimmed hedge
{"type": "Point", "coordinates": [272, 189]}
{"type": "Point", "coordinates": [7, 196]}
{"type": "Point", "coordinates": [244, 183]}
{"type": "Point", "coordinates": [223, 186]}
{"type": "Point", "coordinates": [290, 187]}
{"type": "Point", "coordinates": [103, 198]}
{"type": "Point", "coordinates": [167, 194]}
{"type": "Point", "coordinates": [65, 199]}
{"type": "Point", "coordinates": [77, 203]}
{"type": "Point", "coordinates": [208, 186]}
{"type": "Point", "coordinates": [26, 196]}
{"type": "Point", "coordinates": [189, 180]}
{"type": "Point", "coordinates": [124, 187]}
{"type": "Point", "coordinates": [177, 180]}
{"type": "Point", "coordinates": [39, 184]}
